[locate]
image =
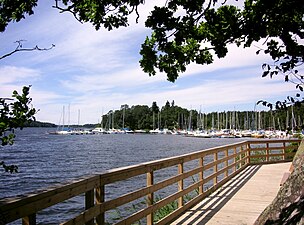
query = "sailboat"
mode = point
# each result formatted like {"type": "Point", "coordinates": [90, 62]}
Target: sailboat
{"type": "Point", "coordinates": [100, 130]}
{"type": "Point", "coordinates": [61, 129]}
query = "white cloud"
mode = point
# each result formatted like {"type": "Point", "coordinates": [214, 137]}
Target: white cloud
{"type": "Point", "coordinates": [236, 57]}
{"type": "Point", "coordinates": [126, 78]}
{"type": "Point", "coordinates": [212, 94]}
{"type": "Point", "coordinates": [12, 74]}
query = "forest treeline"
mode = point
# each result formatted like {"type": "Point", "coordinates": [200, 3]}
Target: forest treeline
{"type": "Point", "coordinates": [39, 124]}
{"type": "Point", "coordinates": [171, 116]}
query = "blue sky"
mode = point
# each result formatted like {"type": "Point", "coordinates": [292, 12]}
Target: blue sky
{"type": "Point", "coordinates": [97, 71]}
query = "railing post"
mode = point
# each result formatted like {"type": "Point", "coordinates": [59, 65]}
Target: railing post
{"type": "Point", "coordinates": [100, 198]}
{"type": "Point", "coordinates": [226, 163]}
{"type": "Point", "coordinates": [201, 176]}
{"type": "Point", "coordinates": [29, 220]}
{"type": "Point", "coordinates": [249, 153]}
{"type": "Point", "coordinates": [284, 150]}
{"type": "Point", "coordinates": [150, 197]}
{"type": "Point", "coordinates": [240, 159]}
{"type": "Point", "coordinates": [89, 202]}
{"type": "Point", "coordinates": [234, 159]}
{"type": "Point", "coordinates": [180, 185]}
{"type": "Point", "coordinates": [267, 152]}
{"type": "Point", "coordinates": [215, 170]}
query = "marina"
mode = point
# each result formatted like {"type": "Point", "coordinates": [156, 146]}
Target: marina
{"type": "Point", "coordinates": [224, 133]}
{"type": "Point", "coordinates": [174, 120]}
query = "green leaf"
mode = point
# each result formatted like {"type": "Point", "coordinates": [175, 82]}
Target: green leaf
{"type": "Point", "coordinates": [265, 73]}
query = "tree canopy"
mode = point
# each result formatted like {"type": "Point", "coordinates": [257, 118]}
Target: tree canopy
{"type": "Point", "coordinates": [185, 32]}
{"type": "Point", "coordinates": [15, 112]}
{"type": "Point", "coordinates": [15, 11]}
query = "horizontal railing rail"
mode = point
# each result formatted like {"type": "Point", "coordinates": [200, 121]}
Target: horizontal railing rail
{"type": "Point", "coordinates": [197, 175]}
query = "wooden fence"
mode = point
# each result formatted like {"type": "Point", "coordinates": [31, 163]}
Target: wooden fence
{"type": "Point", "coordinates": [196, 175]}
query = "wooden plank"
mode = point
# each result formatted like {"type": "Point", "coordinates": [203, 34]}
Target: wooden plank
{"type": "Point", "coordinates": [234, 159]}
{"type": "Point", "coordinates": [226, 163]}
{"type": "Point", "coordinates": [261, 141]}
{"type": "Point", "coordinates": [180, 185]}
{"type": "Point", "coordinates": [271, 162]}
{"type": "Point", "coordinates": [150, 197]}
{"type": "Point", "coordinates": [215, 159]}
{"type": "Point", "coordinates": [24, 206]}
{"type": "Point", "coordinates": [201, 175]}
{"type": "Point", "coordinates": [269, 148]}
{"type": "Point", "coordinates": [89, 202]}
{"type": "Point", "coordinates": [259, 156]}
{"type": "Point", "coordinates": [100, 198]}
{"type": "Point", "coordinates": [240, 155]}
{"type": "Point", "coordinates": [284, 150]}
{"type": "Point", "coordinates": [247, 153]}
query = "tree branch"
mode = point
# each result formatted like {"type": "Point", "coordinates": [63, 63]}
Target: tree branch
{"type": "Point", "coordinates": [68, 9]}
{"type": "Point", "coordinates": [20, 48]}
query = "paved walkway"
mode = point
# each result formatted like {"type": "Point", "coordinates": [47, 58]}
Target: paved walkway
{"type": "Point", "coordinates": [241, 200]}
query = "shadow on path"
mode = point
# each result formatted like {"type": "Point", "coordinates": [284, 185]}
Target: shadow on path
{"type": "Point", "coordinates": [205, 210]}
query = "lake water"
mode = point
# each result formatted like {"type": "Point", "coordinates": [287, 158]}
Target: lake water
{"type": "Point", "coordinates": [45, 160]}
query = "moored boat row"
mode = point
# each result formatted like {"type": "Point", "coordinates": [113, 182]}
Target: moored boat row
{"type": "Point", "coordinates": [224, 133]}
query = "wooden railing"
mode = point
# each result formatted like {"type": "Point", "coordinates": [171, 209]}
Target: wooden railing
{"type": "Point", "coordinates": [197, 175]}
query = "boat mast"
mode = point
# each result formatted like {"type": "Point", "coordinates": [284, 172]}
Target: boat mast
{"type": "Point", "coordinates": [78, 117]}
{"type": "Point", "coordinates": [63, 109]}
{"type": "Point", "coordinates": [280, 128]}
{"type": "Point", "coordinates": [212, 121]}
{"type": "Point", "coordinates": [218, 121]}
{"type": "Point", "coordinates": [190, 120]}
{"type": "Point", "coordinates": [273, 121]}
{"type": "Point", "coordinates": [230, 121]}
{"type": "Point", "coordinates": [101, 121]}
{"type": "Point", "coordinates": [226, 126]}
{"type": "Point", "coordinates": [123, 117]}
{"type": "Point", "coordinates": [259, 120]}
{"type": "Point", "coordinates": [247, 121]}
{"type": "Point", "coordinates": [113, 119]}
{"type": "Point", "coordinates": [158, 120]}
{"type": "Point", "coordinates": [287, 119]}
{"type": "Point", "coordinates": [203, 121]}
{"type": "Point", "coordinates": [293, 120]}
